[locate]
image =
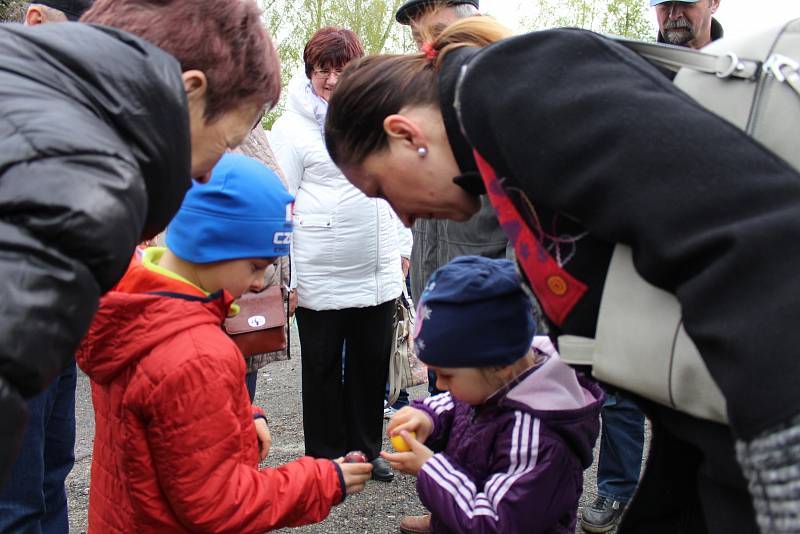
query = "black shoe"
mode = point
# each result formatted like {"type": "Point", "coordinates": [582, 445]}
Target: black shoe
{"type": "Point", "coordinates": [602, 515]}
{"type": "Point", "coordinates": [381, 470]}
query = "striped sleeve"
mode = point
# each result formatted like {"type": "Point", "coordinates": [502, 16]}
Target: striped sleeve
{"type": "Point", "coordinates": [440, 408]}
{"type": "Point", "coordinates": [530, 488]}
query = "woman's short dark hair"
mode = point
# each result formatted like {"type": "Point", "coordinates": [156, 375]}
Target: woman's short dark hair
{"type": "Point", "coordinates": [225, 39]}
{"type": "Point", "coordinates": [331, 48]}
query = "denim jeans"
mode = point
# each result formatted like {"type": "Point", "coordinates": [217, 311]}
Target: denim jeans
{"type": "Point", "coordinates": [251, 379]}
{"type": "Point", "coordinates": [621, 448]}
{"type": "Point", "coordinates": [402, 398]}
{"type": "Point", "coordinates": [34, 500]}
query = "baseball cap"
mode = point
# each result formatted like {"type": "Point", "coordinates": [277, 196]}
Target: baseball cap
{"type": "Point", "coordinates": [73, 9]}
{"type": "Point", "coordinates": [410, 8]}
{"type": "Point", "coordinates": [656, 2]}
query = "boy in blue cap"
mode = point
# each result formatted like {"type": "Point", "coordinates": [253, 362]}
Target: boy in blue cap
{"type": "Point", "coordinates": [516, 426]}
{"type": "Point", "coordinates": [176, 446]}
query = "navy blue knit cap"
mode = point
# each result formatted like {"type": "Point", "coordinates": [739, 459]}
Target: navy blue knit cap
{"type": "Point", "coordinates": [244, 211]}
{"type": "Point", "coordinates": [474, 313]}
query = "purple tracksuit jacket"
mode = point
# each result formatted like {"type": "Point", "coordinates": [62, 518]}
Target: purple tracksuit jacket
{"type": "Point", "coordinates": [515, 463]}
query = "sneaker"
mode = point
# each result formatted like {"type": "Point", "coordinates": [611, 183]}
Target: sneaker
{"type": "Point", "coordinates": [602, 515]}
{"type": "Point", "coordinates": [388, 411]}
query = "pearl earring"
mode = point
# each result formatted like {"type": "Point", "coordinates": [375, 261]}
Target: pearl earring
{"type": "Point", "coordinates": [422, 151]}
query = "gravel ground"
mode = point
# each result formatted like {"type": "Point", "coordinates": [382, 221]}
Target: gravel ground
{"type": "Point", "coordinates": [377, 510]}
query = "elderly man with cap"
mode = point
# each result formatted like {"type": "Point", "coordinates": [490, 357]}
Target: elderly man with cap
{"type": "Point", "coordinates": [687, 23]}
{"type": "Point", "coordinates": [33, 499]}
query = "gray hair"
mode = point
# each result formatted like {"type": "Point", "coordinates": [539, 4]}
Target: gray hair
{"type": "Point", "coordinates": [463, 11]}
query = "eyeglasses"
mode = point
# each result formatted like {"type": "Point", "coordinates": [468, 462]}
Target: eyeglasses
{"type": "Point", "coordinates": [324, 74]}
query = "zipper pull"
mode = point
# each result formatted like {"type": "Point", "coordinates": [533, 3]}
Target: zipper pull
{"type": "Point", "coordinates": [784, 69]}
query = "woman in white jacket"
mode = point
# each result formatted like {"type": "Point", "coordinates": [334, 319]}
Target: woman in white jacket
{"type": "Point", "coordinates": [347, 258]}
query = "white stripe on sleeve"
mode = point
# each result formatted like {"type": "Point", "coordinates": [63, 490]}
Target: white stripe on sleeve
{"type": "Point", "coordinates": [523, 456]}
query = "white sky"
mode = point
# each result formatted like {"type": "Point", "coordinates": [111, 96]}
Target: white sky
{"type": "Point", "coordinates": [736, 16]}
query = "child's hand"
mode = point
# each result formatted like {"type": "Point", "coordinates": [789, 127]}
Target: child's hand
{"type": "Point", "coordinates": [409, 462]}
{"type": "Point", "coordinates": [264, 438]}
{"type": "Point", "coordinates": [412, 420]}
{"type": "Point", "coordinates": [355, 475]}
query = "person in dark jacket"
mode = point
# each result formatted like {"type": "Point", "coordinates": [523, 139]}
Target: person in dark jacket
{"type": "Point", "coordinates": [578, 136]}
{"type": "Point", "coordinates": [103, 126]}
{"type": "Point", "coordinates": [516, 426]}
{"type": "Point", "coordinates": [686, 23]}
{"type": "Point", "coordinates": [34, 498]}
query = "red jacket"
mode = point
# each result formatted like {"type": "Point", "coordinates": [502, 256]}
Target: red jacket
{"type": "Point", "coordinates": [175, 447]}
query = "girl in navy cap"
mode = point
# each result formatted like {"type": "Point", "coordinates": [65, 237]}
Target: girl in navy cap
{"type": "Point", "coordinates": [514, 430]}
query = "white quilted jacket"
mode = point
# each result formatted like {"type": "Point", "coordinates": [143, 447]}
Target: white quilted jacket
{"type": "Point", "coordinates": [346, 247]}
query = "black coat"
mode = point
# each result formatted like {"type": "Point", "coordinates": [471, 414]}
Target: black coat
{"type": "Point", "coordinates": [95, 154]}
{"type": "Point", "coordinates": [599, 141]}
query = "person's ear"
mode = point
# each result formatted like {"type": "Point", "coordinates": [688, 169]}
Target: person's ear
{"type": "Point", "coordinates": [34, 16]}
{"type": "Point", "coordinates": [196, 85]}
{"type": "Point", "coordinates": [405, 130]}
{"type": "Point", "coordinates": [714, 6]}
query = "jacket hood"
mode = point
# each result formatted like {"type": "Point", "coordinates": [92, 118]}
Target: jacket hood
{"type": "Point", "coordinates": [555, 393]}
{"type": "Point", "coordinates": [124, 81]}
{"type": "Point", "coordinates": [148, 310]}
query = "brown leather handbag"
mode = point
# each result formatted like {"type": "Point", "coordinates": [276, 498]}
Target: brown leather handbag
{"type": "Point", "coordinates": [260, 325]}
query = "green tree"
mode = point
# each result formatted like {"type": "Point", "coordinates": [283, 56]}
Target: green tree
{"type": "Point", "coordinates": [626, 18]}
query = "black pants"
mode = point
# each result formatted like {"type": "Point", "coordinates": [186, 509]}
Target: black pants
{"type": "Point", "coordinates": [692, 483]}
{"type": "Point", "coordinates": [343, 407]}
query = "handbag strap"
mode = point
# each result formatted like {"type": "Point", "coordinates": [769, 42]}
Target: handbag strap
{"type": "Point", "coordinates": [674, 58]}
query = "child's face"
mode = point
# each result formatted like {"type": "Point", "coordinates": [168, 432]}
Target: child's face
{"type": "Point", "coordinates": [235, 276]}
{"type": "Point", "coordinates": [467, 384]}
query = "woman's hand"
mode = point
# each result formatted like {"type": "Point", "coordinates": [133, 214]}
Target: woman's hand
{"type": "Point", "coordinates": [292, 302]}
{"type": "Point", "coordinates": [408, 462]}
{"type": "Point", "coordinates": [264, 438]}
{"type": "Point", "coordinates": [355, 475]}
{"type": "Point", "coordinates": [411, 420]}
{"type": "Point", "coordinates": [405, 265]}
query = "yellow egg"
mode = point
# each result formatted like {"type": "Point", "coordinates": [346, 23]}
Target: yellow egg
{"type": "Point", "coordinates": [400, 444]}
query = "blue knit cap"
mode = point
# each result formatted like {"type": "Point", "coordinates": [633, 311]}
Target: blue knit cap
{"type": "Point", "coordinates": [474, 313]}
{"type": "Point", "coordinates": [244, 211]}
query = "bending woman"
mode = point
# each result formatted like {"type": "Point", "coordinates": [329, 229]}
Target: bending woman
{"type": "Point", "coordinates": [576, 139]}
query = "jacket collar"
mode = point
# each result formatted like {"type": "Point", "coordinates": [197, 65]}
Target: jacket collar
{"type": "Point", "coordinates": [145, 310]}
{"type": "Point", "coordinates": [499, 396]}
{"type": "Point", "coordinates": [449, 76]}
